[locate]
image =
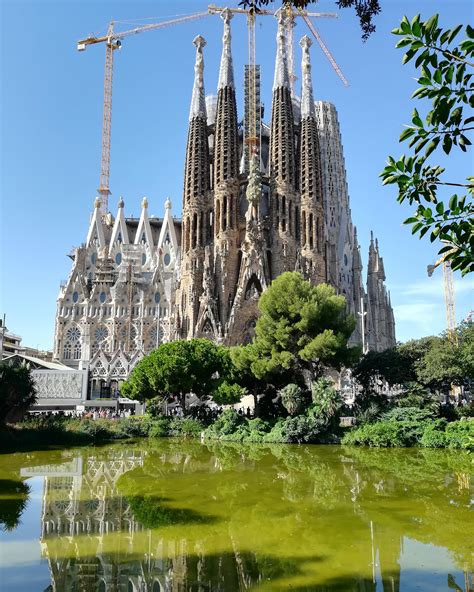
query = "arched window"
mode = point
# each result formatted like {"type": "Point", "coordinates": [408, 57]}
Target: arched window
{"type": "Point", "coordinates": [72, 344]}
{"type": "Point", "coordinates": [311, 231]}
{"type": "Point", "coordinates": [202, 239]}
{"type": "Point", "coordinates": [303, 227]}
{"type": "Point", "coordinates": [290, 208]}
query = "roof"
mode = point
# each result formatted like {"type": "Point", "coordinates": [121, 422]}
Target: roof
{"type": "Point", "coordinates": [40, 362]}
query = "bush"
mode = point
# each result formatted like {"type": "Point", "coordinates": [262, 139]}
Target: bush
{"type": "Point", "coordinates": [434, 436]}
{"type": "Point", "coordinates": [460, 434]}
{"type": "Point", "coordinates": [411, 422]}
{"type": "Point", "coordinates": [159, 428]}
{"type": "Point", "coordinates": [383, 434]}
{"type": "Point", "coordinates": [185, 427]}
{"type": "Point", "coordinates": [227, 423]}
{"type": "Point", "coordinates": [295, 430]}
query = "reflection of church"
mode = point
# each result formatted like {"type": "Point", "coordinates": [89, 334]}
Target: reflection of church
{"type": "Point", "coordinates": [94, 543]}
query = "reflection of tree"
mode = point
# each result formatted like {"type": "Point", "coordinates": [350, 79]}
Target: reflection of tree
{"type": "Point", "coordinates": [171, 515]}
{"type": "Point", "coordinates": [13, 500]}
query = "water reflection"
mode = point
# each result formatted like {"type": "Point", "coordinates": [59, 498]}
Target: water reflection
{"type": "Point", "coordinates": [180, 516]}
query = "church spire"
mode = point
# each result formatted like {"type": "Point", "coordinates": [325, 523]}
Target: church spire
{"type": "Point", "coordinates": [307, 101]}
{"type": "Point", "coordinates": [226, 72]}
{"type": "Point", "coordinates": [310, 182]}
{"type": "Point", "coordinates": [226, 179]}
{"type": "Point", "coordinates": [195, 233]}
{"type": "Point", "coordinates": [282, 77]}
{"type": "Point", "coordinates": [198, 101]}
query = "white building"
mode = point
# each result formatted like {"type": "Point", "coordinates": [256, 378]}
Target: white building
{"type": "Point", "coordinates": [116, 304]}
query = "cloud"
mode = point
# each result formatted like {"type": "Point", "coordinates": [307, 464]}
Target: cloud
{"type": "Point", "coordinates": [434, 287]}
{"type": "Point", "coordinates": [417, 319]}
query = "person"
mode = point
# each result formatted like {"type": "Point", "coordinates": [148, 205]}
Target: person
{"type": "Point", "coordinates": [249, 413]}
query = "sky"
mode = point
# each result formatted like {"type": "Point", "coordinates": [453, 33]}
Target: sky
{"type": "Point", "coordinates": [51, 101]}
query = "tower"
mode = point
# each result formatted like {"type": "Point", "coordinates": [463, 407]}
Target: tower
{"type": "Point", "coordinates": [312, 209]}
{"type": "Point", "coordinates": [284, 200]}
{"type": "Point", "coordinates": [226, 181]}
{"type": "Point", "coordinates": [197, 205]}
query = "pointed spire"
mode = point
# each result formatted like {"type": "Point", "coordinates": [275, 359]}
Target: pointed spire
{"type": "Point", "coordinates": [307, 101]}
{"type": "Point", "coordinates": [144, 234]}
{"type": "Point", "coordinates": [119, 231]}
{"type": "Point", "coordinates": [226, 72]}
{"type": "Point", "coordinates": [96, 230]}
{"type": "Point", "coordinates": [282, 77]}
{"type": "Point", "coordinates": [198, 101]}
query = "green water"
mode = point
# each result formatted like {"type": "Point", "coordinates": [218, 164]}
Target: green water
{"type": "Point", "coordinates": [159, 515]}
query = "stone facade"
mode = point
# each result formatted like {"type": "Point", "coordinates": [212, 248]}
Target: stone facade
{"type": "Point", "coordinates": [253, 207]}
{"type": "Point", "coordinates": [284, 208]}
{"type": "Point", "coordinates": [116, 304]}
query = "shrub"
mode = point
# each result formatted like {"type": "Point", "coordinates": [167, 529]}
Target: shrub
{"type": "Point", "coordinates": [159, 428]}
{"type": "Point", "coordinates": [295, 430]}
{"type": "Point", "coordinates": [411, 422]}
{"type": "Point", "coordinates": [460, 434]}
{"type": "Point", "coordinates": [226, 424]}
{"type": "Point", "coordinates": [383, 434]}
{"type": "Point", "coordinates": [228, 394]}
{"type": "Point", "coordinates": [434, 435]}
{"type": "Point", "coordinates": [185, 427]}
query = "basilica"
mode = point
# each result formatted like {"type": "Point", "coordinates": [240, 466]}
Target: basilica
{"type": "Point", "coordinates": [250, 211]}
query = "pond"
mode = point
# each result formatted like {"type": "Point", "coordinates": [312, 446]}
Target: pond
{"type": "Point", "coordinates": [156, 515]}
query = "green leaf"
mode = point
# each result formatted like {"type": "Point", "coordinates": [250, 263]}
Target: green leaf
{"type": "Point", "coordinates": [470, 32]}
{"type": "Point", "coordinates": [407, 133]}
{"type": "Point", "coordinates": [440, 208]}
{"type": "Point", "coordinates": [405, 25]}
{"type": "Point", "coordinates": [407, 57]}
{"type": "Point", "coordinates": [403, 42]}
{"type": "Point", "coordinates": [453, 202]}
{"type": "Point", "coordinates": [447, 143]}
{"type": "Point", "coordinates": [454, 32]}
{"type": "Point", "coordinates": [449, 74]}
{"type": "Point", "coordinates": [432, 23]}
{"type": "Point", "coordinates": [437, 76]}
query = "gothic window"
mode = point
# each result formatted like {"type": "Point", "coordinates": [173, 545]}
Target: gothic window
{"type": "Point", "coordinates": [167, 259]}
{"type": "Point", "coordinates": [118, 258]}
{"type": "Point", "coordinates": [224, 213]}
{"type": "Point", "coordinates": [303, 227]}
{"type": "Point", "coordinates": [218, 216]}
{"type": "Point", "coordinates": [207, 329]}
{"type": "Point", "coordinates": [72, 345]}
{"type": "Point", "coordinates": [254, 288]}
{"type": "Point", "coordinates": [290, 208]}
{"type": "Point", "coordinates": [102, 297]}
{"type": "Point", "coordinates": [311, 231]}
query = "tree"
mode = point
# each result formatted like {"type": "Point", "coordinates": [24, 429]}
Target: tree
{"type": "Point", "coordinates": [228, 394]}
{"type": "Point", "coordinates": [177, 368]}
{"type": "Point", "coordinates": [326, 400]}
{"type": "Point", "coordinates": [293, 399]}
{"type": "Point", "coordinates": [445, 83]}
{"type": "Point", "coordinates": [17, 392]}
{"type": "Point", "coordinates": [302, 327]}
{"type": "Point", "coordinates": [365, 10]}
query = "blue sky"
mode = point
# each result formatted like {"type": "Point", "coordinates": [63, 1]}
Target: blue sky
{"type": "Point", "coordinates": [51, 109]}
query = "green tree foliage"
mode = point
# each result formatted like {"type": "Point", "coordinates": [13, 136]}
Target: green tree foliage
{"type": "Point", "coordinates": [302, 328]}
{"type": "Point", "coordinates": [293, 399]}
{"type": "Point", "coordinates": [228, 393]}
{"type": "Point", "coordinates": [421, 366]}
{"type": "Point", "coordinates": [177, 368]}
{"type": "Point", "coordinates": [445, 70]}
{"type": "Point", "coordinates": [17, 392]}
{"type": "Point", "coordinates": [365, 10]}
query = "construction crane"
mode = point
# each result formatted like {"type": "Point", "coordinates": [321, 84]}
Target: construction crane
{"type": "Point", "coordinates": [449, 296]}
{"type": "Point", "coordinates": [113, 41]}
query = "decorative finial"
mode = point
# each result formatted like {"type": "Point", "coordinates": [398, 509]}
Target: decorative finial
{"type": "Point", "coordinates": [121, 203]}
{"type": "Point", "coordinates": [198, 101]}
{"type": "Point", "coordinates": [167, 204]}
{"type": "Point", "coordinates": [144, 203]}
{"type": "Point", "coordinates": [307, 101]}
{"type": "Point", "coordinates": [371, 236]}
{"type": "Point", "coordinates": [226, 72]}
{"type": "Point", "coordinates": [97, 202]}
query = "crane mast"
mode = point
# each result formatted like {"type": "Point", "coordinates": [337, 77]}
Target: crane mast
{"type": "Point", "coordinates": [112, 42]}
